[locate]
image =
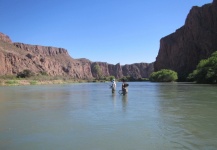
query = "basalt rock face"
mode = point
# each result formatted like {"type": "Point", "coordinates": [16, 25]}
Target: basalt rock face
{"type": "Point", "coordinates": [16, 57]}
{"type": "Point", "coordinates": [197, 39]}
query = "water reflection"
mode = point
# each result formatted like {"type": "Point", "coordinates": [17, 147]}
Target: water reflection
{"type": "Point", "coordinates": [124, 101]}
{"type": "Point", "coordinates": [118, 98]}
{"type": "Point", "coordinates": [114, 99]}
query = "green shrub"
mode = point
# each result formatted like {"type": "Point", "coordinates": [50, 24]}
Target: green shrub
{"type": "Point", "coordinates": [12, 77]}
{"type": "Point", "coordinates": [163, 75]}
{"type": "Point", "coordinates": [97, 71]}
{"type": "Point", "coordinates": [110, 78]}
{"type": "Point", "coordinates": [25, 74]}
{"type": "Point", "coordinates": [33, 82]}
{"type": "Point", "coordinates": [143, 79]}
{"type": "Point", "coordinates": [11, 82]}
{"type": "Point", "coordinates": [206, 71]}
{"type": "Point", "coordinates": [125, 78]}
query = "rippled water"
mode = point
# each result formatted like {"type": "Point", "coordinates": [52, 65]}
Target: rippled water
{"type": "Point", "coordinates": [87, 116]}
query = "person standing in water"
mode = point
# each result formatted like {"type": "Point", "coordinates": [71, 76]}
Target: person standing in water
{"type": "Point", "coordinates": [124, 87]}
{"type": "Point", "coordinates": [113, 86]}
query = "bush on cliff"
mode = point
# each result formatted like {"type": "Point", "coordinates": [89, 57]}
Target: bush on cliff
{"type": "Point", "coordinates": [109, 78]}
{"type": "Point", "coordinates": [25, 74]}
{"type": "Point", "coordinates": [97, 71]}
{"type": "Point", "coordinates": [206, 71]}
{"type": "Point", "coordinates": [125, 78]}
{"type": "Point", "coordinates": [163, 75]}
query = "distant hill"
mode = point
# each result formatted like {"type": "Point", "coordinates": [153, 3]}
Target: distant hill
{"type": "Point", "coordinates": [182, 50]}
{"type": "Point", "coordinates": [16, 57]}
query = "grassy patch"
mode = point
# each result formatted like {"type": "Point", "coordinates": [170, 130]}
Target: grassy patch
{"type": "Point", "coordinates": [33, 82]}
{"type": "Point", "coordinates": [8, 77]}
{"type": "Point", "coordinates": [11, 82]}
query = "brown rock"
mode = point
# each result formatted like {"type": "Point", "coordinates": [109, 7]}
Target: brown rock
{"type": "Point", "coordinates": [16, 57]}
{"type": "Point", "coordinates": [5, 38]}
{"type": "Point", "coordinates": [138, 70]}
{"type": "Point", "coordinates": [181, 51]}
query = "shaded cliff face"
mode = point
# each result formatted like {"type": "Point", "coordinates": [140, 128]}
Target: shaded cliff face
{"type": "Point", "coordinates": [138, 70]}
{"type": "Point", "coordinates": [197, 39]}
{"type": "Point", "coordinates": [16, 57]}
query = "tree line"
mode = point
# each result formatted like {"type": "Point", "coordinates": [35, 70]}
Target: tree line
{"type": "Point", "coordinates": [205, 72]}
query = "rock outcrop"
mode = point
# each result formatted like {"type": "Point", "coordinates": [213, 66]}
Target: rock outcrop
{"type": "Point", "coordinates": [16, 57]}
{"type": "Point", "coordinates": [138, 70]}
{"type": "Point", "coordinates": [197, 39]}
{"type": "Point", "coordinates": [5, 38]}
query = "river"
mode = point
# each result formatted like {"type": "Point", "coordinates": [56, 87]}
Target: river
{"type": "Point", "coordinates": [87, 116]}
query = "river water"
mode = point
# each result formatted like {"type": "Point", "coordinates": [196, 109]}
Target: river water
{"type": "Point", "coordinates": [87, 116]}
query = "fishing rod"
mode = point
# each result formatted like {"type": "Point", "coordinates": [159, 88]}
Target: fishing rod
{"type": "Point", "coordinates": [120, 92]}
{"type": "Point", "coordinates": [109, 84]}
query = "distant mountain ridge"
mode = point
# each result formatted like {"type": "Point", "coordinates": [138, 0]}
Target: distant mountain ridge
{"type": "Point", "coordinates": [16, 57]}
{"type": "Point", "coordinates": [182, 50]}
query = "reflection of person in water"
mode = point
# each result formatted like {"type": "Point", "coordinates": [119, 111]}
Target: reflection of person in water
{"type": "Point", "coordinates": [124, 87]}
{"type": "Point", "coordinates": [113, 86]}
{"type": "Point", "coordinates": [124, 102]}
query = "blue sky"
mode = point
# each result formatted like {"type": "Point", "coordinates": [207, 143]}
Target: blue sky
{"type": "Point", "coordinates": [113, 31]}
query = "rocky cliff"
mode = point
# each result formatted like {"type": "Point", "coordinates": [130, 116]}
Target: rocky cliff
{"type": "Point", "coordinates": [182, 50]}
{"type": "Point", "coordinates": [5, 38]}
{"type": "Point", "coordinates": [16, 57]}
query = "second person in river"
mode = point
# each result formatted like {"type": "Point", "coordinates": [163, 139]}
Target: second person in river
{"type": "Point", "coordinates": [113, 86]}
{"type": "Point", "coordinates": [124, 87]}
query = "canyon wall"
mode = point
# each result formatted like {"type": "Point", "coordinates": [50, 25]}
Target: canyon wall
{"type": "Point", "coordinates": [16, 57]}
{"type": "Point", "coordinates": [182, 50]}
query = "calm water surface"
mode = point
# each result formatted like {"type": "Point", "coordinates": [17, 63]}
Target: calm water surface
{"type": "Point", "coordinates": [87, 116]}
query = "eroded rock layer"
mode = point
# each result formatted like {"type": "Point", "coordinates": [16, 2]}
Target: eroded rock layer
{"type": "Point", "coordinates": [16, 57]}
